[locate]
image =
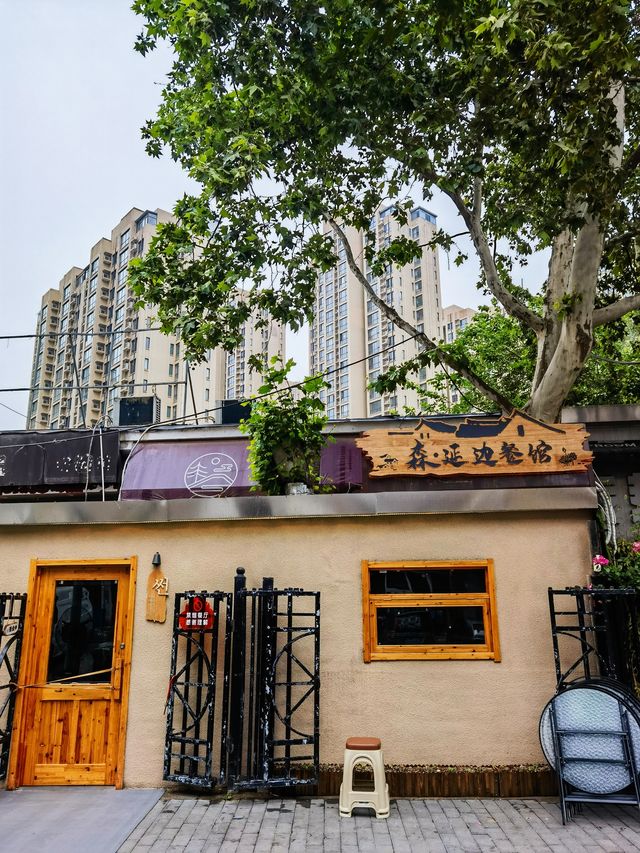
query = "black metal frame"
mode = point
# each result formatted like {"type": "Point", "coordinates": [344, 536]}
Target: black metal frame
{"type": "Point", "coordinates": [12, 611]}
{"type": "Point", "coordinates": [270, 668]}
{"type": "Point", "coordinates": [571, 799]}
{"type": "Point", "coordinates": [268, 744]}
{"type": "Point", "coordinates": [604, 622]}
{"type": "Point", "coordinates": [194, 704]}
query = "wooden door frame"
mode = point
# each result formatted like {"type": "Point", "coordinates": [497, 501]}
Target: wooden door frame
{"type": "Point", "coordinates": [38, 567]}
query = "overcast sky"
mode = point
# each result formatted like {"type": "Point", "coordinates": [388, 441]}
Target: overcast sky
{"type": "Point", "coordinates": [73, 96]}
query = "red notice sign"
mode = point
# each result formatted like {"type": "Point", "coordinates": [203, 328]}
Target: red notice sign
{"type": "Point", "coordinates": [196, 616]}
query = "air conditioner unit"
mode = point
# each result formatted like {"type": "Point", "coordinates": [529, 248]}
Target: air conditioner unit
{"type": "Point", "coordinates": [230, 411]}
{"type": "Point", "coordinates": [136, 411]}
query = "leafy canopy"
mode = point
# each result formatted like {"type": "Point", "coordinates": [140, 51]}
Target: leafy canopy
{"type": "Point", "coordinates": [505, 354]}
{"type": "Point", "coordinates": [291, 114]}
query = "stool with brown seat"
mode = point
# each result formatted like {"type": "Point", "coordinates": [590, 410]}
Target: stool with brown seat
{"type": "Point", "coordinates": [364, 750]}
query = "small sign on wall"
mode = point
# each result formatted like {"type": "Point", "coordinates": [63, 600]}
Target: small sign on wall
{"type": "Point", "coordinates": [196, 616]}
{"type": "Point", "coordinates": [157, 594]}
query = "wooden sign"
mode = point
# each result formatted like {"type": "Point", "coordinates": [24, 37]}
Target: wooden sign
{"type": "Point", "coordinates": [517, 444]}
{"type": "Point", "coordinates": [157, 593]}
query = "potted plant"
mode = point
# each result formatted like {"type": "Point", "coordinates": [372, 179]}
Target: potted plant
{"type": "Point", "coordinates": [623, 570]}
{"type": "Point", "coordinates": [619, 608]}
{"type": "Point", "coordinates": [285, 426]}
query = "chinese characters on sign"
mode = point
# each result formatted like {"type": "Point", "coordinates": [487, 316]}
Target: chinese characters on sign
{"type": "Point", "coordinates": [196, 616]}
{"type": "Point", "coordinates": [514, 445]}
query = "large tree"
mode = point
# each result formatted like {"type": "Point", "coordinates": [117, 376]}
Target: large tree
{"type": "Point", "coordinates": [524, 114]}
{"type": "Point", "coordinates": [505, 355]}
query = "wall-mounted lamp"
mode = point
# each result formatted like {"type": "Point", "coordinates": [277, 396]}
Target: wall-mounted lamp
{"type": "Point", "coordinates": [157, 561]}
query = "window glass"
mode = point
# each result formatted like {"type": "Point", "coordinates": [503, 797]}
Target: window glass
{"type": "Point", "coordinates": [424, 610]}
{"type": "Point", "coordinates": [429, 626]}
{"type": "Point", "coordinates": [82, 629]}
{"type": "Point", "coordinates": [427, 581]}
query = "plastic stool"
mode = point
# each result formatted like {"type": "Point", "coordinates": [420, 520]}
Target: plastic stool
{"type": "Point", "coordinates": [366, 750]}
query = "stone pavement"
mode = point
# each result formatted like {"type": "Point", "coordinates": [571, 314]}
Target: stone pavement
{"type": "Point", "coordinates": [414, 826]}
{"type": "Point", "coordinates": [62, 819]}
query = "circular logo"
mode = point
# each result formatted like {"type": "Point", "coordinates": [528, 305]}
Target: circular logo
{"type": "Point", "coordinates": [211, 475]}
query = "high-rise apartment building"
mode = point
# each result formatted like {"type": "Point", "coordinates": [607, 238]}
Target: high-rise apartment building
{"type": "Point", "coordinates": [454, 320]}
{"type": "Point", "coordinates": [93, 345]}
{"type": "Point", "coordinates": [351, 337]}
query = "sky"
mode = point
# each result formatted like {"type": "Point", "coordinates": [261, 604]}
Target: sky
{"type": "Point", "coordinates": [73, 97]}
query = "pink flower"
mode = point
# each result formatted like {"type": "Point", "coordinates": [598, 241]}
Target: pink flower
{"type": "Point", "coordinates": [599, 560]}
{"type": "Point", "coordinates": [635, 547]}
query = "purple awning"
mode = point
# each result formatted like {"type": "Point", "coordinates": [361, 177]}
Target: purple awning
{"type": "Point", "coordinates": [194, 469]}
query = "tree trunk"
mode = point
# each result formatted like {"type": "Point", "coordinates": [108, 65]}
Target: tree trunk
{"type": "Point", "coordinates": [573, 326]}
{"type": "Point", "coordinates": [557, 289]}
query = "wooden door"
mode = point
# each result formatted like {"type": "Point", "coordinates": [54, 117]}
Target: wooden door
{"type": "Point", "coordinates": [73, 685]}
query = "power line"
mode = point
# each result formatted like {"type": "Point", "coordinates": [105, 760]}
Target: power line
{"type": "Point", "coordinates": [73, 333]}
{"type": "Point", "coordinates": [15, 411]}
{"type": "Point", "coordinates": [104, 387]}
{"type": "Point", "coordinates": [208, 411]}
{"type": "Point", "coordinates": [141, 384]}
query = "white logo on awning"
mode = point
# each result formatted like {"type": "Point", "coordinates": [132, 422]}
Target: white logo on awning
{"type": "Point", "coordinates": [211, 475]}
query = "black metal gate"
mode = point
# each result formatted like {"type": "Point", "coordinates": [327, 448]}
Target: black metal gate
{"type": "Point", "coordinates": [12, 610]}
{"type": "Point", "coordinates": [196, 706]}
{"type": "Point", "coordinates": [596, 634]}
{"type": "Point", "coordinates": [261, 727]}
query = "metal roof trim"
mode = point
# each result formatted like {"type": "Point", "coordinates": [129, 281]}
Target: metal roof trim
{"type": "Point", "coordinates": [374, 504]}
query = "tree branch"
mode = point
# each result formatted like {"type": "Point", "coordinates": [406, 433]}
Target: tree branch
{"type": "Point", "coordinates": [509, 302]}
{"type": "Point", "coordinates": [621, 238]}
{"type": "Point", "coordinates": [426, 342]}
{"type": "Point", "coordinates": [477, 201]}
{"type": "Point", "coordinates": [633, 161]}
{"type": "Point", "coordinates": [615, 310]}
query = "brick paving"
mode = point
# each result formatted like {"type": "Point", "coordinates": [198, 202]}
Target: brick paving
{"type": "Point", "coordinates": [414, 826]}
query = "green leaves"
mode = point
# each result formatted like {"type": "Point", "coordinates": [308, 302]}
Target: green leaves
{"type": "Point", "coordinates": [288, 115]}
{"type": "Point", "coordinates": [285, 429]}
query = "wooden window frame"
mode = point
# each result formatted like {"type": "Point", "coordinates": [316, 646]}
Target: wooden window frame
{"type": "Point", "coordinates": [372, 651]}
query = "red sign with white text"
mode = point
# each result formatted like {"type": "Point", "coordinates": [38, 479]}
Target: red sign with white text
{"type": "Point", "coordinates": [196, 616]}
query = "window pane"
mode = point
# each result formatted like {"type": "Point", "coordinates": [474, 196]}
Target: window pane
{"type": "Point", "coordinates": [82, 630]}
{"type": "Point", "coordinates": [430, 626]}
{"type": "Point", "coordinates": [427, 581]}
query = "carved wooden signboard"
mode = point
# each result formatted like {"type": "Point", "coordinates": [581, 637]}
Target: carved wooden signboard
{"type": "Point", "coordinates": [517, 444]}
{"type": "Point", "coordinates": [157, 593]}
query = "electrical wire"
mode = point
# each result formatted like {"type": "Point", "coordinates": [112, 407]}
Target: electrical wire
{"type": "Point", "coordinates": [15, 411]}
{"type": "Point", "coordinates": [73, 332]}
{"type": "Point", "coordinates": [204, 412]}
{"type": "Point", "coordinates": [608, 511]}
{"type": "Point", "coordinates": [471, 405]}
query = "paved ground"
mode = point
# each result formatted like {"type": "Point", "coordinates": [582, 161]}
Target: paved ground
{"type": "Point", "coordinates": [414, 826]}
{"type": "Point", "coordinates": [71, 820]}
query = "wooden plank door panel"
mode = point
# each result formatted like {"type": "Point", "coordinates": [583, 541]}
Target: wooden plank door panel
{"type": "Point", "coordinates": [71, 727]}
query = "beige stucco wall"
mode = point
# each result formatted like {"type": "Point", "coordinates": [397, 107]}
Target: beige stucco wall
{"type": "Point", "coordinates": [426, 712]}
